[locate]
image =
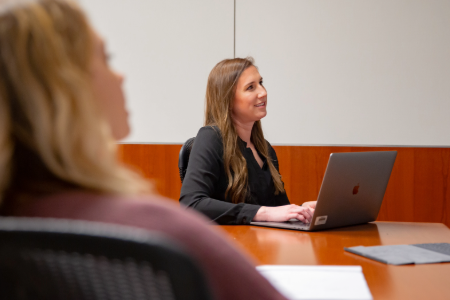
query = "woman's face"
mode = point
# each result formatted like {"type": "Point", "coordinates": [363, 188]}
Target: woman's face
{"type": "Point", "coordinates": [250, 99]}
{"type": "Point", "coordinates": [107, 87]}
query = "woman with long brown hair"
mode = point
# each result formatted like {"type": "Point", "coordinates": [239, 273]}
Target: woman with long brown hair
{"type": "Point", "coordinates": [233, 175]}
{"type": "Point", "coordinates": [61, 112]}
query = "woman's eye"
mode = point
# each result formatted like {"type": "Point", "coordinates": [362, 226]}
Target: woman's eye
{"type": "Point", "coordinates": [250, 87]}
{"type": "Point", "coordinates": [261, 82]}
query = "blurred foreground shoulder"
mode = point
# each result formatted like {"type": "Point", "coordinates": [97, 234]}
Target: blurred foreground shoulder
{"type": "Point", "coordinates": [219, 259]}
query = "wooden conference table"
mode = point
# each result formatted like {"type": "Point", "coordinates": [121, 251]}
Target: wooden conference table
{"type": "Point", "coordinates": [289, 247]}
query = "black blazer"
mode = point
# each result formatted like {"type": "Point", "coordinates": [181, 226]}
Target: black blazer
{"type": "Point", "coordinates": [205, 183]}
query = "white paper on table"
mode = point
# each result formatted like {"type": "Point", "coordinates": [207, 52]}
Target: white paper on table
{"type": "Point", "coordinates": [318, 282]}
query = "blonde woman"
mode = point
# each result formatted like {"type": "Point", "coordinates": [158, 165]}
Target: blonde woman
{"type": "Point", "coordinates": [233, 175]}
{"type": "Point", "coordinates": [61, 110]}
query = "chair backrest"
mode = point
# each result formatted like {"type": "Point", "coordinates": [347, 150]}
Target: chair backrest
{"type": "Point", "coordinates": [183, 159]}
{"type": "Point", "coordinates": [67, 259]}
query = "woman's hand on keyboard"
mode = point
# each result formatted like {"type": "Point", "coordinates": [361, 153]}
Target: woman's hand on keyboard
{"type": "Point", "coordinates": [311, 205]}
{"type": "Point", "coordinates": [284, 213]}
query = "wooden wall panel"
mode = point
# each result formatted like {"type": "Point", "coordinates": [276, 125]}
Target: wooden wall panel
{"type": "Point", "coordinates": [418, 190]}
{"type": "Point", "coordinates": [156, 162]}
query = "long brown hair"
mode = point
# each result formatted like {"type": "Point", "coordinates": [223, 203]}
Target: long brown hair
{"type": "Point", "coordinates": [51, 130]}
{"type": "Point", "coordinates": [220, 93]}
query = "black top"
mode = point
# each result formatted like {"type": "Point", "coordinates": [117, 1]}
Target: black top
{"type": "Point", "coordinates": [206, 181]}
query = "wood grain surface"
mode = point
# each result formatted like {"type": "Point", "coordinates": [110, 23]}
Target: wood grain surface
{"type": "Point", "coordinates": [290, 247]}
{"type": "Point", "coordinates": [156, 162]}
{"type": "Point", "coordinates": [418, 190]}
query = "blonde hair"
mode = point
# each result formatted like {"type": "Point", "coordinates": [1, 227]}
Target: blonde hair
{"type": "Point", "coordinates": [220, 93]}
{"type": "Point", "coordinates": [48, 115]}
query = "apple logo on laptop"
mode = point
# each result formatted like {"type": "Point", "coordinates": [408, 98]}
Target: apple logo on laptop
{"type": "Point", "coordinates": [355, 189]}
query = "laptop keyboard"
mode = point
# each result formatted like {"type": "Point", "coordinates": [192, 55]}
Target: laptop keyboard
{"type": "Point", "coordinates": [298, 224]}
{"type": "Point", "coordinates": [288, 224]}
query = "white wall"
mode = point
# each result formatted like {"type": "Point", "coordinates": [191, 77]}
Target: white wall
{"type": "Point", "coordinates": [166, 49]}
{"type": "Point", "coordinates": [374, 72]}
{"type": "Point", "coordinates": [338, 72]}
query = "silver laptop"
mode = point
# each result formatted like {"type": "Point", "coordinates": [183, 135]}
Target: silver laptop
{"type": "Point", "coordinates": [351, 193]}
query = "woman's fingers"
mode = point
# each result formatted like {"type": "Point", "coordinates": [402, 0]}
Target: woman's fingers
{"type": "Point", "coordinates": [310, 204]}
{"type": "Point", "coordinates": [302, 218]}
{"type": "Point", "coordinates": [299, 217]}
{"type": "Point", "coordinates": [304, 211]}
{"type": "Point", "coordinates": [307, 214]}
{"type": "Point", "coordinates": [293, 216]}
{"type": "Point", "coordinates": [296, 208]}
{"type": "Point", "coordinates": [301, 213]}
{"type": "Point", "coordinates": [285, 213]}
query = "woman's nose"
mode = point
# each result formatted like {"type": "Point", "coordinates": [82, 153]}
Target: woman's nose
{"type": "Point", "coordinates": [262, 93]}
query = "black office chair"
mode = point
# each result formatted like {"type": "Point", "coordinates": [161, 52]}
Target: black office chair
{"type": "Point", "coordinates": [183, 159]}
{"type": "Point", "coordinates": [65, 259]}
